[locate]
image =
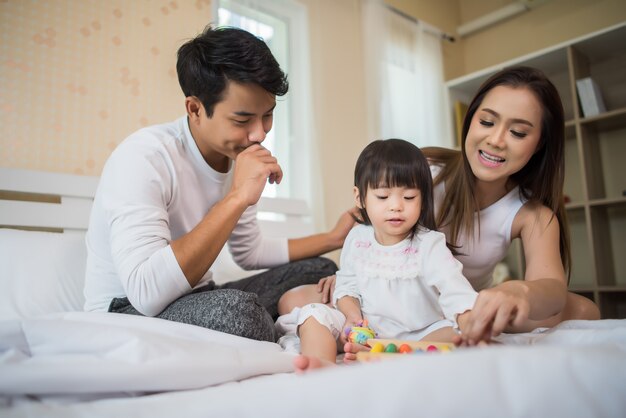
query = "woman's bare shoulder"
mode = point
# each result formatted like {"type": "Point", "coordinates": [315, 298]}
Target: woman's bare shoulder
{"type": "Point", "coordinates": [533, 214]}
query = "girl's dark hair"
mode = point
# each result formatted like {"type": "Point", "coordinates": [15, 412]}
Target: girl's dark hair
{"type": "Point", "coordinates": [395, 163]}
{"type": "Point", "coordinates": [206, 63]}
{"type": "Point", "coordinates": [540, 180]}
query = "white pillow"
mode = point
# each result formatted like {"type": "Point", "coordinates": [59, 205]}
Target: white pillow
{"type": "Point", "coordinates": [44, 272]}
{"type": "Point", "coordinates": [41, 272]}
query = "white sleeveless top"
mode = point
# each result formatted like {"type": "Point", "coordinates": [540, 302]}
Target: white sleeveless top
{"type": "Point", "coordinates": [490, 244]}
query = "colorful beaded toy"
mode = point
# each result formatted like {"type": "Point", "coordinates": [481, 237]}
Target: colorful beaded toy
{"type": "Point", "coordinates": [364, 335]}
{"type": "Point", "coordinates": [361, 333]}
{"type": "Point", "coordinates": [386, 348]}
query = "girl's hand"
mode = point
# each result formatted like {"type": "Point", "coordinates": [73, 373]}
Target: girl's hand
{"type": "Point", "coordinates": [350, 348]}
{"type": "Point", "coordinates": [347, 326]}
{"type": "Point", "coordinates": [326, 286]}
{"type": "Point", "coordinates": [494, 310]}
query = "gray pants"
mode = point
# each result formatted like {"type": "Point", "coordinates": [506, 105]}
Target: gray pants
{"type": "Point", "coordinates": [247, 307]}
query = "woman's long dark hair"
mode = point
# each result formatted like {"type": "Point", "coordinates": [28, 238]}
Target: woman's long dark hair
{"type": "Point", "coordinates": [540, 180]}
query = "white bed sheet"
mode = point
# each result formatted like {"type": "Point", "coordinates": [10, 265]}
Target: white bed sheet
{"type": "Point", "coordinates": [577, 369]}
{"type": "Point", "coordinates": [103, 354]}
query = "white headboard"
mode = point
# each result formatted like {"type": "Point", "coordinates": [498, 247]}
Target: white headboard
{"type": "Point", "coordinates": [59, 202]}
{"type": "Point", "coordinates": [44, 200]}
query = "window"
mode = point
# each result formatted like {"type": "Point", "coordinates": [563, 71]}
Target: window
{"type": "Point", "coordinates": [282, 24]}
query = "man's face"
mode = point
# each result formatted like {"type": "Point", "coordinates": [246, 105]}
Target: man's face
{"type": "Point", "coordinates": [242, 118]}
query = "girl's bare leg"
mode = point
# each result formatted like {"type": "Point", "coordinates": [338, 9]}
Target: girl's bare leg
{"type": "Point", "coordinates": [298, 297]}
{"type": "Point", "coordinates": [318, 347]}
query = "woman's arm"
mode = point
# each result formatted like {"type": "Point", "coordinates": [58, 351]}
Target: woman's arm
{"type": "Point", "coordinates": [545, 277]}
{"type": "Point", "coordinates": [318, 244]}
{"type": "Point", "coordinates": [515, 304]}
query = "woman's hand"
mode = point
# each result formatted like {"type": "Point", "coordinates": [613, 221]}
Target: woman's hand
{"type": "Point", "coordinates": [326, 286]}
{"type": "Point", "coordinates": [494, 310]}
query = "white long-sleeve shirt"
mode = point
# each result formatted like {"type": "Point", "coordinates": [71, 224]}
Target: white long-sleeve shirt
{"type": "Point", "coordinates": [155, 188]}
{"type": "Point", "coordinates": [404, 287]}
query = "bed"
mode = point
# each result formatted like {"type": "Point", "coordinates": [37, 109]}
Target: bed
{"type": "Point", "coordinates": [57, 361]}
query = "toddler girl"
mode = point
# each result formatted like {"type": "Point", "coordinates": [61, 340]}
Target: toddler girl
{"type": "Point", "coordinates": [396, 270]}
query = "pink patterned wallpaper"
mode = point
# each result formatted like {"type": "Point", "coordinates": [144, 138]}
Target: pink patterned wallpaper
{"type": "Point", "coordinates": [78, 76]}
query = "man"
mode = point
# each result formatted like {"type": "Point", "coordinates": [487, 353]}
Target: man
{"type": "Point", "coordinates": [171, 195]}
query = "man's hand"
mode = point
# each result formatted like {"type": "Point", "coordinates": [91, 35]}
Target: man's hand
{"type": "Point", "coordinates": [253, 167]}
{"type": "Point", "coordinates": [343, 226]}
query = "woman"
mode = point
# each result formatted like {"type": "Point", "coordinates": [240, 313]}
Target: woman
{"type": "Point", "coordinates": [506, 183]}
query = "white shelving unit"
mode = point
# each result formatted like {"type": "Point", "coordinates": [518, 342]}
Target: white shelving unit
{"type": "Point", "coordinates": [595, 160]}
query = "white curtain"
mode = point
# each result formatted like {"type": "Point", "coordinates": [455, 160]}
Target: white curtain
{"type": "Point", "coordinates": [404, 74]}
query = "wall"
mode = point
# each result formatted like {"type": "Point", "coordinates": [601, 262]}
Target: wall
{"type": "Point", "coordinates": [76, 77]}
{"type": "Point", "coordinates": [547, 24]}
{"type": "Point", "coordinates": [339, 100]}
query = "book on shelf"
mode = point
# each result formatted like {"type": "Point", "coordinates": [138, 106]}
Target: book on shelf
{"type": "Point", "coordinates": [590, 97]}
{"type": "Point", "coordinates": [460, 109]}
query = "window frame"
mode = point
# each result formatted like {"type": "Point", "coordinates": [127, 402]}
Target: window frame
{"type": "Point", "coordinates": [295, 109]}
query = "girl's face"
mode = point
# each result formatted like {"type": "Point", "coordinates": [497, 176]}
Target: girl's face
{"type": "Point", "coordinates": [504, 134]}
{"type": "Point", "coordinates": [393, 211]}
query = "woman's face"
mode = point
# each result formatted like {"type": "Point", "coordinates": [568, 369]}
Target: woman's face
{"type": "Point", "coordinates": [504, 134]}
